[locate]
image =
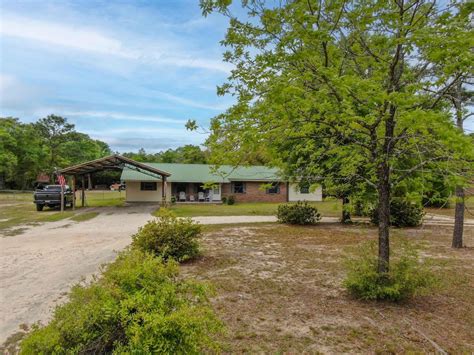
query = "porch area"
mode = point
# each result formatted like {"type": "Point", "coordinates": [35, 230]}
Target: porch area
{"type": "Point", "coordinates": [190, 192]}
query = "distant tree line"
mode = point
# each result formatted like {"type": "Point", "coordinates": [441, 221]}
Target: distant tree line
{"type": "Point", "coordinates": [187, 154]}
{"type": "Point", "coordinates": [29, 149]}
{"type": "Point", "coordinates": [41, 147]}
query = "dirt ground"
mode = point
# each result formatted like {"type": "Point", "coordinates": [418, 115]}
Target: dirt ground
{"type": "Point", "coordinates": [278, 289]}
{"type": "Point", "coordinates": [39, 266]}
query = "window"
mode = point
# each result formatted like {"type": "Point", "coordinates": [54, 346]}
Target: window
{"type": "Point", "coordinates": [304, 189]}
{"type": "Point", "coordinates": [274, 189]}
{"type": "Point", "coordinates": [238, 187]}
{"type": "Point", "coordinates": [148, 186]}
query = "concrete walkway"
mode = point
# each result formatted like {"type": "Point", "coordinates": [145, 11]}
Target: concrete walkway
{"type": "Point", "coordinates": [430, 219]}
{"type": "Point", "coordinates": [440, 220]}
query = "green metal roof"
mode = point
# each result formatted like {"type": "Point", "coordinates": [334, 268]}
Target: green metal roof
{"type": "Point", "coordinates": [204, 173]}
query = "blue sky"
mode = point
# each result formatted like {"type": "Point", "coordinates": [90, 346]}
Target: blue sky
{"type": "Point", "coordinates": [127, 72]}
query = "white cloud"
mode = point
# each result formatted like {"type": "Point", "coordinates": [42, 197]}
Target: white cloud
{"type": "Point", "coordinates": [191, 103]}
{"type": "Point", "coordinates": [14, 93]}
{"type": "Point", "coordinates": [98, 42]}
{"type": "Point", "coordinates": [147, 131]}
{"type": "Point", "coordinates": [120, 116]}
{"type": "Point", "coordinates": [152, 139]}
{"type": "Point", "coordinates": [63, 35]}
{"type": "Point", "coordinates": [196, 62]}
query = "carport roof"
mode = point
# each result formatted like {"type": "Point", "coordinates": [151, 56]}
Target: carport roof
{"type": "Point", "coordinates": [114, 162]}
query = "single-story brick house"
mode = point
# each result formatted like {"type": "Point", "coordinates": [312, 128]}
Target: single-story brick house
{"type": "Point", "coordinates": [186, 184]}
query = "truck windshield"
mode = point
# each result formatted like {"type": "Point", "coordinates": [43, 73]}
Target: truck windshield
{"type": "Point", "coordinates": [53, 188]}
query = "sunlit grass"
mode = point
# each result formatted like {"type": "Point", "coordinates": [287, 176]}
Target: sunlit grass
{"type": "Point", "coordinates": [326, 208]}
{"type": "Point", "coordinates": [24, 213]}
{"type": "Point", "coordinates": [84, 216]}
{"type": "Point", "coordinates": [17, 208]}
{"type": "Point", "coordinates": [101, 198]}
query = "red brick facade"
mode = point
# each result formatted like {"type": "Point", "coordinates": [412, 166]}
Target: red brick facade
{"type": "Point", "coordinates": [253, 193]}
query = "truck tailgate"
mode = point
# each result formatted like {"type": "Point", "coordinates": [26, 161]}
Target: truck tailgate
{"type": "Point", "coordinates": [47, 196]}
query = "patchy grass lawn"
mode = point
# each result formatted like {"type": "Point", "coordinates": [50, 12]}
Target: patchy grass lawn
{"type": "Point", "coordinates": [103, 198]}
{"type": "Point", "coordinates": [22, 213]}
{"type": "Point", "coordinates": [17, 210]}
{"type": "Point", "coordinates": [326, 208]}
{"type": "Point", "coordinates": [279, 291]}
{"type": "Point", "coordinates": [84, 216]}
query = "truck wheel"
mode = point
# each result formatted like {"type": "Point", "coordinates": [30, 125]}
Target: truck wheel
{"type": "Point", "coordinates": [39, 207]}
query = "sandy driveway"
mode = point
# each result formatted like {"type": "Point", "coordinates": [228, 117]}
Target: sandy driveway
{"type": "Point", "coordinates": [39, 266]}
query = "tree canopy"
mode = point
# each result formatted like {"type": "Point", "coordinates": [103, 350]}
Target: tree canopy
{"type": "Point", "coordinates": [341, 92]}
{"type": "Point", "coordinates": [187, 154]}
{"type": "Point", "coordinates": [28, 149]}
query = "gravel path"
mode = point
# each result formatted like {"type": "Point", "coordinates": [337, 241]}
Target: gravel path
{"type": "Point", "coordinates": [440, 220]}
{"type": "Point", "coordinates": [39, 266]}
{"type": "Point", "coordinates": [247, 219]}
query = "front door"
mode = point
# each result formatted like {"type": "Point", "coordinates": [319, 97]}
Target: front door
{"type": "Point", "coordinates": [216, 192]}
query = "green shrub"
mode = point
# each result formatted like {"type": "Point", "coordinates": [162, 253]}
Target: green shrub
{"type": "Point", "coordinates": [403, 213]}
{"type": "Point", "coordinates": [407, 276]}
{"type": "Point", "coordinates": [173, 199]}
{"type": "Point", "coordinates": [169, 237]}
{"type": "Point", "coordinates": [164, 212]}
{"type": "Point", "coordinates": [361, 208]}
{"type": "Point", "coordinates": [230, 200]}
{"type": "Point", "coordinates": [224, 199]}
{"type": "Point", "coordinates": [139, 305]}
{"type": "Point", "coordinates": [298, 213]}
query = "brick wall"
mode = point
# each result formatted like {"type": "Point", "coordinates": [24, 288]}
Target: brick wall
{"type": "Point", "coordinates": [253, 193]}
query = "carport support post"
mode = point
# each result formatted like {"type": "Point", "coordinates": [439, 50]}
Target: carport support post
{"type": "Point", "coordinates": [62, 198]}
{"type": "Point", "coordinates": [163, 190]}
{"type": "Point", "coordinates": [73, 192]}
{"type": "Point", "coordinates": [83, 192]}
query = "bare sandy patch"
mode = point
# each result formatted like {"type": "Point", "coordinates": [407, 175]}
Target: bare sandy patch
{"type": "Point", "coordinates": [279, 289]}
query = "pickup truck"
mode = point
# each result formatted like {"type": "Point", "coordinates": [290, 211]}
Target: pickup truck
{"type": "Point", "coordinates": [50, 196]}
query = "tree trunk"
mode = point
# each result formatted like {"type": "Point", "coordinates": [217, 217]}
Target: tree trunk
{"type": "Point", "coordinates": [459, 211]}
{"type": "Point", "coordinates": [458, 218]}
{"type": "Point", "coordinates": [346, 214]}
{"type": "Point", "coordinates": [383, 187]}
{"type": "Point", "coordinates": [384, 217]}
{"type": "Point", "coordinates": [89, 182]}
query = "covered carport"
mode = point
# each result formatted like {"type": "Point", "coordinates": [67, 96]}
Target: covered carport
{"type": "Point", "coordinates": [112, 162]}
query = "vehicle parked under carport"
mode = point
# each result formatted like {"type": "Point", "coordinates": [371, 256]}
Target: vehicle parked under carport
{"type": "Point", "coordinates": [50, 196]}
